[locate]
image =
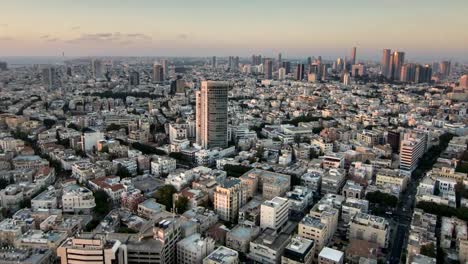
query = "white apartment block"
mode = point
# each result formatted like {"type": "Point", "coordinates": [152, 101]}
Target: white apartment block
{"type": "Point", "coordinates": [76, 199]}
{"type": "Point", "coordinates": [193, 249]}
{"type": "Point", "coordinates": [412, 148]}
{"type": "Point", "coordinates": [274, 213]}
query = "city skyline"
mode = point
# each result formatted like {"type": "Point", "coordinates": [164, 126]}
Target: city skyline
{"type": "Point", "coordinates": [425, 30]}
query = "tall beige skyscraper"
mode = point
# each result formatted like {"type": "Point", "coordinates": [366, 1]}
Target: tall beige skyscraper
{"type": "Point", "coordinates": [212, 115]}
{"type": "Point", "coordinates": [353, 56]}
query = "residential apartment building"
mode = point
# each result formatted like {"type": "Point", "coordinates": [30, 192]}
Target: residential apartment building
{"type": "Point", "coordinates": [274, 213]}
{"type": "Point", "coordinates": [371, 228]}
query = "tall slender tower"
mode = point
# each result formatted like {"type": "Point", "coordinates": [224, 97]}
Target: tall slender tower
{"type": "Point", "coordinates": [300, 72]}
{"type": "Point", "coordinates": [268, 69]}
{"type": "Point", "coordinates": [212, 114]}
{"type": "Point", "coordinates": [213, 62]}
{"type": "Point", "coordinates": [158, 73]}
{"type": "Point", "coordinates": [353, 56]}
{"type": "Point", "coordinates": [49, 77]}
{"type": "Point", "coordinates": [97, 68]}
{"type": "Point", "coordinates": [280, 61]}
{"type": "Point", "coordinates": [397, 64]}
{"type": "Point", "coordinates": [386, 64]}
{"type": "Point", "coordinates": [165, 66]}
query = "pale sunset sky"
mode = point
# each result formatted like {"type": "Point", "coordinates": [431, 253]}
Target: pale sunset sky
{"type": "Point", "coordinates": [424, 29]}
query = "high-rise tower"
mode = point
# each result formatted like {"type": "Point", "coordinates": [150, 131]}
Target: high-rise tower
{"type": "Point", "coordinates": [353, 56]}
{"type": "Point", "coordinates": [386, 63]}
{"type": "Point", "coordinates": [268, 69]}
{"type": "Point", "coordinates": [212, 115]}
{"type": "Point", "coordinates": [158, 73]}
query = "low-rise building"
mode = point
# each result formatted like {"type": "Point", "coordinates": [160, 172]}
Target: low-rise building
{"type": "Point", "coordinates": [45, 200]}
{"type": "Point", "coordinates": [268, 247]}
{"type": "Point", "coordinates": [222, 255]}
{"type": "Point", "coordinates": [274, 213]}
{"type": "Point", "coordinates": [299, 251]}
{"type": "Point", "coordinates": [330, 256]}
{"type": "Point", "coordinates": [193, 249]}
{"type": "Point", "coordinates": [77, 199]}
{"type": "Point", "coordinates": [239, 237]}
{"type": "Point", "coordinates": [371, 228]}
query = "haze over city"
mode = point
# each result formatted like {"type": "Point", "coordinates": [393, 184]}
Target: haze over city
{"type": "Point", "coordinates": [233, 132]}
{"type": "Point", "coordinates": [425, 29]}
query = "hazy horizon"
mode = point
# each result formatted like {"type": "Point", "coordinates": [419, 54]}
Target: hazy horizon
{"type": "Point", "coordinates": [426, 30]}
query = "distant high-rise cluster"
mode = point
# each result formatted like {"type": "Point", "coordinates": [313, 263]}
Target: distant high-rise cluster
{"type": "Point", "coordinates": [211, 114]}
{"type": "Point", "coordinates": [256, 59]}
{"type": "Point", "coordinates": [416, 73]}
{"type": "Point", "coordinates": [394, 68]}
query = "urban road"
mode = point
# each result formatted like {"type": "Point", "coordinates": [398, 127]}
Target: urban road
{"type": "Point", "coordinates": [402, 217]}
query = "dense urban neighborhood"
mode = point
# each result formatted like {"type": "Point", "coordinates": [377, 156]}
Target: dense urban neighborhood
{"type": "Point", "coordinates": [227, 160]}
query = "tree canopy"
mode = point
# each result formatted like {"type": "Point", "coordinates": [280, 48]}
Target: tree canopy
{"type": "Point", "coordinates": [164, 195]}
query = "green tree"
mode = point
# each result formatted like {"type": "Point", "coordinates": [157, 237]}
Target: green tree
{"type": "Point", "coordinates": [123, 172]}
{"type": "Point", "coordinates": [235, 170]}
{"type": "Point", "coordinates": [103, 203]}
{"type": "Point", "coordinates": [164, 195]}
{"type": "Point", "coordinates": [428, 250]}
{"type": "Point", "coordinates": [4, 183]}
{"type": "Point", "coordinates": [49, 123]}
{"type": "Point", "coordinates": [182, 204]}
{"type": "Point", "coordinates": [381, 198]}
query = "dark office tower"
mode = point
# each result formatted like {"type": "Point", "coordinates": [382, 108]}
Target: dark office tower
{"type": "Point", "coordinates": [280, 61]}
{"type": "Point", "coordinates": [309, 60]}
{"type": "Point", "coordinates": [393, 139]}
{"type": "Point", "coordinates": [134, 78]}
{"type": "Point", "coordinates": [287, 66]}
{"type": "Point", "coordinates": [300, 72]}
{"type": "Point", "coordinates": [213, 62]}
{"type": "Point", "coordinates": [69, 71]}
{"type": "Point", "coordinates": [49, 78]}
{"type": "Point", "coordinates": [353, 56]}
{"type": "Point", "coordinates": [230, 62]}
{"type": "Point", "coordinates": [268, 69]}
{"type": "Point", "coordinates": [398, 59]}
{"type": "Point", "coordinates": [97, 69]}
{"type": "Point", "coordinates": [3, 66]}
{"type": "Point", "coordinates": [386, 63]}
{"type": "Point", "coordinates": [423, 74]}
{"type": "Point", "coordinates": [315, 69]}
{"type": "Point", "coordinates": [435, 67]}
{"type": "Point", "coordinates": [158, 73]}
{"type": "Point", "coordinates": [444, 68]}
{"type": "Point", "coordinates": [407, 72]}
{"type": "Point", "coordinates": [235, 62]}
{"type": "Point", "coordinates": [319, 59]}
